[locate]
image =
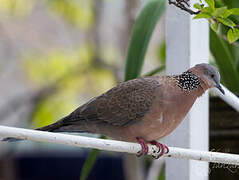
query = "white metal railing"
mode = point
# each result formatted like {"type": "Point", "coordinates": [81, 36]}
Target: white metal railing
{"type": "Point", "coordinates": [112, 145]}
{"type": "Point", "coordinates": [229, 97]}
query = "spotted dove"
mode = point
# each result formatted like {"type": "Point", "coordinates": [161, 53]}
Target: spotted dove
{"type": "Point", "coordinates": [141, 110]}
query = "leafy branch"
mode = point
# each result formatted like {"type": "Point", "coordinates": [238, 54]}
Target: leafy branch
{"type": "Point", "coordinates": [215, 16]}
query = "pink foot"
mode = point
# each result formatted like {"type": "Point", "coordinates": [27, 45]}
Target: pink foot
{"type": "Point", "coordinates": [144, 147]}
{"type": "Point", "coordinates": [162, 148]}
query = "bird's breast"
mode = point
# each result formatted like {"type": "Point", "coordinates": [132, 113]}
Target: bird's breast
{"type": "Point", "coordinates": [165, 116]}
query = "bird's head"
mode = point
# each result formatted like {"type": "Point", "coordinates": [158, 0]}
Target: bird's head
{"type": "Point", "coordinates": [209, 75]}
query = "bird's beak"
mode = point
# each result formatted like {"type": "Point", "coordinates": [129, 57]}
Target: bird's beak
{"type": "Point", "coordinates": [220, 89]}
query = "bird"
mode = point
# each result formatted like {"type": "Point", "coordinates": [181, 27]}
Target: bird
{"type": "Point", "coordinates": [141, 110]}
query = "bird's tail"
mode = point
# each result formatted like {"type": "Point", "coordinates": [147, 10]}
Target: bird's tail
{"type": "Point", "coordinates": [53, 127]}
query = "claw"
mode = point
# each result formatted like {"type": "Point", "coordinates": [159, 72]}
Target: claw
{"type": "Point", "coordinates": [144, 146]}
{"type": "Point", "coordinates": [162, 148]}
{"type": "Point", "coordinates": [167, 149]}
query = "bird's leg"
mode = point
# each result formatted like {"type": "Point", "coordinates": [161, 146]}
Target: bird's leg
{"type": "Point", "coordinates": [144, 147]}
{"type": "Point", "coordinates": [162, 148]}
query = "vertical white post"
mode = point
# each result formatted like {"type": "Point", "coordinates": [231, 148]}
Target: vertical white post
{"type": "Point", "coordinates": [187, 43]}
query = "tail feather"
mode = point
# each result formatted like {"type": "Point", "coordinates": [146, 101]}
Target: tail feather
{"type": "Point", "coordinates": [55, 126]}
{"type": "Point", "coordinates": [64, 125]}
{"type": "Point", "coordinates": [51, 127]}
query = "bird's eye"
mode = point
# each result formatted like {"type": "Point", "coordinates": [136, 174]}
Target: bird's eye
{"type": "Point", "coordinates": [212, 75]}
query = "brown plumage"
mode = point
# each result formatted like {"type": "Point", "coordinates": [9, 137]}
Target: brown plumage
{"type": "Point", "coordinates": [143, 109]}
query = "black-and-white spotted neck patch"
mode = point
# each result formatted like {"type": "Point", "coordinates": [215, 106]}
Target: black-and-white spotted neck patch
{"type": "Point", "coordinates": [187, 81]}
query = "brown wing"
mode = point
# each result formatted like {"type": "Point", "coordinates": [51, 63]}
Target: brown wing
{"type": "Point", "coordinates": [124, 104]}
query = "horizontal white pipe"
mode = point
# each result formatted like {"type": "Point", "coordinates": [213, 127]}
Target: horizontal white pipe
{"type": "Point", "coordinates": [112, 145]}
{"type": "Point", "coordinates": [229, 97]}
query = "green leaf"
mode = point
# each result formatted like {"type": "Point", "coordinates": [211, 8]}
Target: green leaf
{"type": "Point", "coordinates": [202, 15]}
{"type": "Point", "coordinates": [227, 14]}
{"type": "Point", "coordinates": [226, 22]}
{"type": "Point", "coordinates": [89, 163]}
{"type": "Point", "coordinates": [235, 11]}
{"type": "Point", "coordinates": [207, 10]}
{"type": "Point", "coordinates": [141, 35]}
{"type": "Point", "coordinates": [214, 26]}
{"type": "Point", "coordinates": [222, 12]}
{"type": "Point", "coordinates": [211, 4]}
{"type": "Point", "coordinates": [233, 35]}
{"type": "Point", "coordinates": [162, 175]}
{"type": "Point", "coordinates": [220, 49]}
{"type": "Point", "coordinates": [162, 52]}
{"type": "Point", "coordinates": [197, 6]}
